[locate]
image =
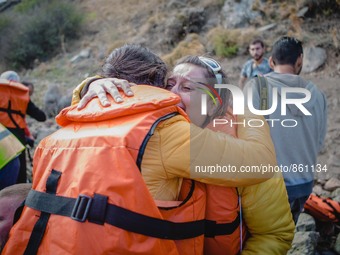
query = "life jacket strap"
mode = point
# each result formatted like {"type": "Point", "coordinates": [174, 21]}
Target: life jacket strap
{"type": "Point", "coordinates": [212, 228]}
{"type": "Point", "coordinates": [11, 111]}
{"type": "Point", "coordinates": [96, 210]}
{"type": "Point", "coordinates": [40, 226]}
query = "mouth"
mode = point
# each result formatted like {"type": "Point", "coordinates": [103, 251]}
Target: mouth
{"type": "Point", "coordinates": [180, 105]}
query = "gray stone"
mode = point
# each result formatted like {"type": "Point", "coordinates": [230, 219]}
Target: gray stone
{"type": "Point", "coordinates": [318, 190]}
{"type": "Point", "coordinates": [335, 193]}
{"type": "Point", "coordinates": [238, 14]}
{"type": "Point", "coordinates": [85, 53]}
{"type": "Point", "coordinates": [335, 160]}
{"type": "Point", "coordinates": [302, 12]}
{"type": "Point", "coordinates": [305, 223]}
{"type": "Point", "coordinates": [42, 133]}
{"type": "Point", "coordinates": [313, 58]}
{"type": "Point", "coordinates": [304, 243]}
{"type": "Point", "coordinates": [267, 27]}
{"type": "Point", "coordinates": [64, 101]}
{"type": "Point", "coordinates": [337, 244]}
{"type": "Point", "coordinates": [51, 100]}
{"type": "Point", "coordinates": [332, 184]}
{"type": "Point", "coordinates": [176, 4]}
{"type": "Point", "coordinates": [337, 198]}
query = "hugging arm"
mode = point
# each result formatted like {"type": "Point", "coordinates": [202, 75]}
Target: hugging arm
{"type": "Point", "coordinates": [186, 148]}
{"type": "Point", "coordinates": [266, 212]}
{"type": "Point", "coordinates": [99, 87]}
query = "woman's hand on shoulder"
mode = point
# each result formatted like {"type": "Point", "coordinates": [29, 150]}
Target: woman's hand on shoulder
{"type": "Point", "coordinates": [100, 87]}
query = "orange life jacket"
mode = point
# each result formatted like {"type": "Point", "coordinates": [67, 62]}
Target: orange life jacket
{"type": "Point", "coordinates": [223, 213]}
{"type": "Point", "coordinates": [13, 104]}
{"type": "Point", "coordinates": [323, 208]}
{"type": "Point", "coordinates": [88, 195]}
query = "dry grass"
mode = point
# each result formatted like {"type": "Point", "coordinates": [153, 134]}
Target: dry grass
{"type": "Point", "coordinates": [191, 45]}
{"type": "Point", "coordinates": [223, 42]}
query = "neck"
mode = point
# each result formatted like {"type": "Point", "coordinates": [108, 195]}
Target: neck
{"type": "Point", "coordinates": [257, 62]}
{"type": "Point", "coordinates": [288, 69]}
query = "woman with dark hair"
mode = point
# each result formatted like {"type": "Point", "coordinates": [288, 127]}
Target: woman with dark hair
{"type": "Point", "coordinates": [130, 157]}
{"type": "Point", "coordinates": [266, 214]}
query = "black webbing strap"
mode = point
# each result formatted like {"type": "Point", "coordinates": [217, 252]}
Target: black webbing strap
{"type": "Point", "coordinates": [213, 229]}
{"type": "Point", "coordinates": [18, 212]}
{"type": "Point", "coordinates": [97, 210]}
{"type": "Point", "coordinates": [148, 136]}
{"type": "Point", "coordinates": [40, 226]}
{"type": "Point", "coordinates": [335, 212]}
{"type": "Point", "coordinates": [10, 111]}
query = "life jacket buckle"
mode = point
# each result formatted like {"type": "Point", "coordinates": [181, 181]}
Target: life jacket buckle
{"type": "Point", "coordinates": [81, 208]}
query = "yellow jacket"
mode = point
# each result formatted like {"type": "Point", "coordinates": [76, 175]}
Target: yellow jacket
{"type": "Point", "coordinates": [265, 206]}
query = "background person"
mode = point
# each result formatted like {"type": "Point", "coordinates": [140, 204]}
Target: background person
{"type": "Point", "coordinates": [10, 149]}
{"type": "Point", "coordinates": [13, 109]}
{"type": "Point", "coordinates": [258, 65]}
{"type": "Point", "coordinates": [298, 145]}
{"type": "Point", "coordinates": [29, 137]}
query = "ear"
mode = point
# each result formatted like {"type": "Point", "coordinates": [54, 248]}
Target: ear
{"type": "Point", "coordinates": [299, 62]}
{"type": "Point", "coordinates": [212, 108]}
{"type": "Point", "coordinates": [271, 62]}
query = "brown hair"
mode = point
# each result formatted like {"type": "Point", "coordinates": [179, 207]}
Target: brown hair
{"type": "Point", "coordinates": [256, 41]}
{"type": "Point", "coordinates": [137, 64]}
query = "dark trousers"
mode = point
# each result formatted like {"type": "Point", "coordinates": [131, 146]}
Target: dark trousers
{"type": "Point", "coordinates": [9, 173]}
{"type": "Point", "coordinates": [296, 207]}
{"type": "Point", "coordinates": [22, 177]}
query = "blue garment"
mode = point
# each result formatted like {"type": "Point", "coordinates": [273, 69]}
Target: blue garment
{"type": "Point", "coordinates": [9, 173]}
{"type": "Point", "coordinates": [296, 207]}
{"type": "Point", "coordinates": [296, 147]}
{"type": "Point", "coordinates": [249, 69]}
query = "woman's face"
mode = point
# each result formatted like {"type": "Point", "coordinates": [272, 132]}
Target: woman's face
{"type": "Point", "coordinates": [184, 81]}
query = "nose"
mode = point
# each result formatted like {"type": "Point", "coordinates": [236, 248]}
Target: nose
{"type": "Point", "coordinates": [174, 89]}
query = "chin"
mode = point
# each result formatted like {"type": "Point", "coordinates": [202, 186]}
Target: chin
{"type": "Point", "coordinates": [181, 106]}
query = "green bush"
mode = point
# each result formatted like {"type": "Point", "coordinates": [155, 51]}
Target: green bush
{"type": "Point", "coordinates": [27, 5]}
{"type": "Point", "coordinates": [43, 29]}
{"type": "Point", "coordinates": [225, 48]}
{"type": "Point", "coordinates": [224, 42]}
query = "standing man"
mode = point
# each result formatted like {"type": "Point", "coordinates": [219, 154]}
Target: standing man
{"type": "Point", "coordinates": [298, 129]}
{"type": "Point", "coordinates": [14, 105]}
{"type": "Point", "coordinates": [258, 65]}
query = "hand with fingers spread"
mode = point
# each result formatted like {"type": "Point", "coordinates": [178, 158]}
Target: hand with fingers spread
{"type": "Point", "coordinates": [100, 87]}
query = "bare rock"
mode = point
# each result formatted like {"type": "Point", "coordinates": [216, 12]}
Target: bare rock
{"type": "Point", "coordinates": [318, 190]}
{"type": "Point", "coordinates": [64, 101]}
{"type": "Point", "coordinates": [267, 27]}
{"type": "Point", "coordinates": [51, 100]}
{"type": "Point", "coordinates": [304, 243]}
{"type": "Point", "coordinates": [302, 12]}
{"type": "Point", "coordinates": [332, 184]}
{"type": "Point", "coordinates": [337, 198]}
{"type": "Point", "coordinates": [238, 14]}
{"type": "Point", "coordinates": [305, 223]}
{"type": "Point", "coordinates": [337, 244]}
{"type": "Point", "coordinates": [85, 53]}
{"type": "Point", "coordinates": [313, 58]}
{"type": "Point", "coordinates": [335, 193]}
